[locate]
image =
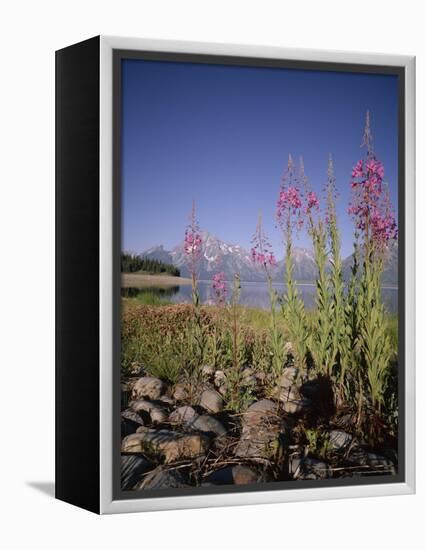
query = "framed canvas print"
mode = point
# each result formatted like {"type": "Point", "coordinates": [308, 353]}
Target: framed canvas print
{"type": "Point", "coordinates": [235, 274]}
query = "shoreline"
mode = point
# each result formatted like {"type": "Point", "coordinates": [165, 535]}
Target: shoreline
{"type": "Point", "coordinates": [145, 280]}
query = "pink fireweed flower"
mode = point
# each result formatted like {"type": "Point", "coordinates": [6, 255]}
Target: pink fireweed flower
{"type": "Point", "coordinates": [358, 170]}
{"type": "Point", "coordinates": [312, 202]}
{"type": "Point", "coordinates": [370, 205]}
{"type": "Point", "coordinates": [289, 203]}
{"type": "Point", "coordinates": [219, 288]}
{"type": "Point", "coordinates": [261, 250]}
{"type": "Point", "coordinates": [193, 243]}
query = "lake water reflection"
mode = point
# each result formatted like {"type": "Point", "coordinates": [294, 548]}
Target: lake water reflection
{"type": "Point", "coordinates": [252, 294]}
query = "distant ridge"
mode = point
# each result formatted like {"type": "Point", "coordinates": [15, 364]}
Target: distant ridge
{"type": "Point", "coordinates": [231, 258]}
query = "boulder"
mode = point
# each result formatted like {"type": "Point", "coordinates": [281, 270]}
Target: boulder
{"type": "Point", "coordinates": [148, 386]}
{"type": "Point", "coordinates": [380, 463]}
{"type": "Point", "coordinates": [170, 445]}
{"type": "Point", "coordinates": [297, 406]}
{"type": "Point", "coordinates": [132, 468]}
{"type": "Point", "coordinates": [339, 440]}
{"type": "Point", "coordinates": [212, 401]}
{"type": "Point", "coordinates": [248, 378]}
{"type": "Point", "coordinates": [309, 468]}
{"type": "Point", "coordinates": [243, 475]}
{"type": "Point", "coordinates": [288, 377]}
{"type": "Point", "coordinates": [284, 394]}
{"type": "Point", "coordinates": [182, 415]}
{"type": "Point", "coordinates": [207, 371]}
{"type": "Point", "coordinates": [261, 436]}
{"type": "Point", "coordinates": [232, 475]}
{"type": "Point", "coordinates": [263, 411]}
{"type": "Point", "coordinates": [208, 425]}
{"type": "Point", "coordinates": [156, 413]}
{"type": "Point", "coordinates": [261, 444]}
{"type": "Point", "coordinates": [163, 479]}
{"type": "Point", "coordinates": [181, 392]}
{"type": "Point", "coordinates": [220, 379]}
{"type": "Point", "coordinates": [130, 421]}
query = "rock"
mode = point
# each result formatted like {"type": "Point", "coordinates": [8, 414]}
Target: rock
{"type": "Point", "coordinates": [260, 443]}
{"type": "Point", "coordinates": [156, 413]}
{"type": "Point", "coordinates": [223, 476]}
{"type": "Point", "coordinates": [222, 390]}
{"type": "Point", "coordinates": [288, 348]}
{"type": "Point", "coordinates": [248, 378]}
{"type": "Point", "coordinates": [208, 425]}
{"type": "Point", "coordinates": [260, 411]}
{"type": "Point", "coordinates": [171, 445]}
{"type": "Point", "coordinates": [132, 467]}
{"type": "Point", "coordinates": [379, 463]}
{"type": "Point", "coordinates": [211, 401]}
{"type": "Point", "coordinates": [125, 398]}
{"type": "Point", "coordinates": [148, 386]}
{"type": "Point", "coordinates": [284, 394]}
{"type": "Point", "coordinates": [166, 400]}
{"type": "Point", "coordinates": [288, 377]}
{"type": "Point", "coordinates": [164, 479]}
{"type": "Point", "coordinates": [219, 379]}
{"type": "Point", "coordinates": [243, 475]}
{"type": "Point", "coordinates": [182, 415]}
{"type": "Point", "coordinates": [261, 377]}
{"type": "Point", "coordinates": [261, 431]}
{"type": "Point", "coordinates": [207, 371]}
{"type": "Point", "coordinates": [130, 421]}
{"type": "Point", "coordinates": [309, 468]}
{"type": "Point", "coordinates": [136, 369]}
{"type": "Point", "coordinates": [180, 392]}
{"type": "Point", "coordinates": [297, 406]}
{"type": "Point", "coordinates": [232, 475]}
{"type": "Point", "coordinates": [339, 440]}
{"type": "Point", "coordinates": [359, 456]}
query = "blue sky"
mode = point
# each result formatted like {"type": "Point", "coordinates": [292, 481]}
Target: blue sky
{"type": "Point", "coordinates": [221, 135]}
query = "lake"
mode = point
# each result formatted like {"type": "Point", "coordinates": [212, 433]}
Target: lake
{"type": "Point", "coordinates": [252, 294]}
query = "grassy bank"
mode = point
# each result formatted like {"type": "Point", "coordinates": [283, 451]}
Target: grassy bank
{"type": "Point", "coordinates": [147, 280]}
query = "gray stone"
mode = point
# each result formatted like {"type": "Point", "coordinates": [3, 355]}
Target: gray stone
{"type": "Point", "coordinates": [243, 475]}
{"type": "Point", "coordinates": [211, 401]}
{"type": "Point", "coordinates": [339, 440]}
{"type": "Point", "coordinates": [208, 425]}
{"type": "Point", "coordinates": [182, 415]}
{"type": "Point", "coordinates": [309, 468]}
{"type": "Point", "coordinates": [156, 413]}
{"type": "Point", "coordinates": [165, 400]}
{"type": "Point", "coordinates": [132, 468]}
{"type": "Point", "coordinates": [290, 393]}
{"type": "Point", "coordinates": [163, 479]}
{"type": "Point", "coordinates": [207, 371]}
{"type": "Point", "coordinates": [261, 444]}
{"type": "Point", "coordinates": [248, 378]}
{"type": "Point", "coordinates": [260, 412]}
{"type": "Point", "coordinates": [180, 392]}
{"type": "Point", "coordinates": [379, 463]}
{"type": "Point", "coordinates": [169, 444]}
{"type": "Point", "coordinates": [297, 406]}
{"type": "Point", "coordinates": [288, 377]}
{"type": "Point", "coordinates": [220, 379]}
{"type": "Point", "coordinates": [232, 475]}
{"type": "Point", "coordinates": [148, 386]}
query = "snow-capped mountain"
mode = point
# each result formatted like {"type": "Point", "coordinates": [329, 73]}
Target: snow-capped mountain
{"type": "Point", "coordinates": [231, 258]}
{"type": "Point", "coordinates": [390, 273]}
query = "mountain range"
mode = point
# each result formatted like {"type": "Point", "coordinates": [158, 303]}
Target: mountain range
{"type": "Point", "coordinates": [230, 258]}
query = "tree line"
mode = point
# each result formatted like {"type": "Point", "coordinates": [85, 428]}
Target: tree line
{"type": "Point", "coordinates": [130, 263]}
